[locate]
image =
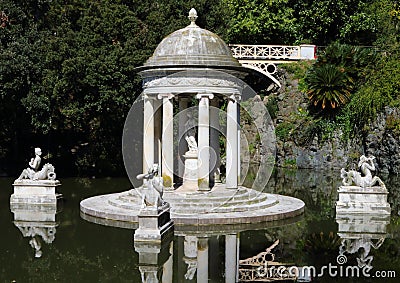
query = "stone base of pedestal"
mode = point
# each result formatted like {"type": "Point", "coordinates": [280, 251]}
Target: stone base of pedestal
{"type": "Point", "coordinates": [35, 192]}
{"type": "Point", "coordinates": [190, 176]}
{"type": "Point", "coordinates": [155, 224]}
{"type": "Point", "coordinates": [370, 200]}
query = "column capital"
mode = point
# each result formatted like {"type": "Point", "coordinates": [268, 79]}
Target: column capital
{"type": "Point", "coordinates": [201, 95]}
{"type": "Point", "coordinates": [165, 95]}
{"type": "Point", "coordinates": [234, 97]}
{"type": "Point", "coordinates": [148, 97]}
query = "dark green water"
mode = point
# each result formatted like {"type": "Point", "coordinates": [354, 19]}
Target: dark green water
{"type": "Point", "coordinates": [85, 252]}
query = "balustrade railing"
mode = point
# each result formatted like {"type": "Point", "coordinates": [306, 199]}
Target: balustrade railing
{"type": "Point", "coordinates": [272, 52]}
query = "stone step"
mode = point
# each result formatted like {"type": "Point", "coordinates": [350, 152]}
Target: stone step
{"type": "Point", "coordinates": [176, 209]}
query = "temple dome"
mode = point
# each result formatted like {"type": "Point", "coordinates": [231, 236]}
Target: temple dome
{"type": "Point", "coordinates": [192, 46]}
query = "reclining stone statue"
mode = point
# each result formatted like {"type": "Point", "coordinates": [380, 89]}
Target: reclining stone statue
{"type": "Point", "coordinates": [365, 179]}
{"type": "Point", "coordinates": [33, 173]}
{"type": "Point", "coordinates": [152, 190]}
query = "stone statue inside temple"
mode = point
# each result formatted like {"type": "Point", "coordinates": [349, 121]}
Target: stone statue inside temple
{"type": "Point", "coordinates": [190, 130]}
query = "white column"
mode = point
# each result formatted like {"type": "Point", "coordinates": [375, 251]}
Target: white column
{"type": "Point", "coordinates": [232, 174]}
{"type": "Point", "coordinates": [202, 261]}
{"type": "Point", "coordinates": [204, 141]}
{"type": "Point", "coordinates": [167, 161]}
{"type": "Point", "coordinates": [183, 103]}
{"type": "Point", "coordinates": [214, 137]}
{"type": "Point", "coordinates": [238, 142]}
{"type": "Point", "coordinates": [148, 133]}
{"type": "Point", "coordinates": [157, 132]}
{"type": "Point", "coordinates": [231, 258]}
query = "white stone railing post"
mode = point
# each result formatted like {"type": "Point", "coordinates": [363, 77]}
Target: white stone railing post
{"type": "Point", "coordinates": [204, 141]}
{"type": "Point", "coordinates": [167, 163]}
{"type": "Point", "coordinates": [232, 143]}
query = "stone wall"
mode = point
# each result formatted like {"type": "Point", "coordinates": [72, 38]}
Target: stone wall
{"type": "Point", "coordinates": [381, 139]}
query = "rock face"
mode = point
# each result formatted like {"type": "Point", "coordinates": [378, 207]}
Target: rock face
{"type": "Point", "coordinates": [299, 146]}
{"type": "Point", "coordinates": [383, 140]}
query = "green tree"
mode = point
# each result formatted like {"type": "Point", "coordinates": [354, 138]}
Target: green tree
{"type": "Point", "coordinates": [260, 22]}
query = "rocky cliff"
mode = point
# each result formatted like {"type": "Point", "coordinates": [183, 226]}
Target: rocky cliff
{"type": "Point", "coordinates": [300, 144]}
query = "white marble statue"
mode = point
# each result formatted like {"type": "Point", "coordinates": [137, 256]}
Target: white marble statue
{"type": "Point", "coordinates": [192, 144]}
{"type": "Point", "coordinates": [190, 130]}
{"type": "Point", "coordinates": [364, 178]}
{"type": "Point", "coordinates": [33, 173]}
{"type": "Point", "coordinates": [152, 190]}
{"type": "Point", "coordinates": [35, 162]}
{"type": "Point", "coordinates": [47, 173]}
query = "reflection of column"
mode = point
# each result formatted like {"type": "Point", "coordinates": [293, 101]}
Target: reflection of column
{"type": "Point", "coordinates": [190, 258]}
{"type": "Point", "coordinates": [167, 140]}
{"type": "Point", "coordinates": [202, 260]}
{"type": "Point", "coordinates": [214, 137]}
{"type": "Point", "coordinates": [232, 158]}
{"type": "Point", "coordinates": [204, 141]}
{"type": "Point", "coordinates": [231, 258]}
{"type": "Point", "coordinates": [153, 259]}
{"type": "Point", "coordinates": [183, 103]}
{"type": "Point", "coordinates": [168, 267]}
{"type": "Point", "coordinates": [148, 133]}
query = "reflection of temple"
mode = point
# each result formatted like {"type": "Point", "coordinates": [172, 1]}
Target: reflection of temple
{"type": "Point", "coordinates": [197, 259]}
{"type": "Point", "coordinates": [37, 222]}
{"type": "Point", "coordinates": [361, 233]}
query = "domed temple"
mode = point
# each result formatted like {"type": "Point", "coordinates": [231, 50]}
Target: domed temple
{"type": "Point", "coordinates": [187, 80]}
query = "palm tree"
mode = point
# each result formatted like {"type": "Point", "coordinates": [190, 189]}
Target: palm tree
{"type": "Point", "coordinates": [329, 87]}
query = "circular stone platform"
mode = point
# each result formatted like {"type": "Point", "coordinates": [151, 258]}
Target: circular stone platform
{"type": "Point", "coordinates": [219, 206]}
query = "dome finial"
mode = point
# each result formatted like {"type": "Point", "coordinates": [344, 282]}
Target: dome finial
{"type": "Point", "coordinates": [192, 16]}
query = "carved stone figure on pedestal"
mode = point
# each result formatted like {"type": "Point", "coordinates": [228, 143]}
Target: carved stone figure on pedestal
{"type": "Point", "coordinates": [33, 173]}
{"type": "Point", "coordinates": [366, 165]}
{"type": "Point", "coordinates": [361, 192]}
{"type": "Point", "coordinates": [152, 190]}
{"type": "Point", "coordinates": [35, 185]}
{"type": "Point", "coordinates": [192, 144]}
{"type": "Point", "coordinates": [154, 216]}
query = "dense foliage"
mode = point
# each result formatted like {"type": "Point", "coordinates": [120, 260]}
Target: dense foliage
{"type": "Point", "coordinates": [67, 75]}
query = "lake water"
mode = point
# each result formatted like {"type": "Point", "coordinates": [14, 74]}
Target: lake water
{"type": "Point", "coordinates": [82, 251]}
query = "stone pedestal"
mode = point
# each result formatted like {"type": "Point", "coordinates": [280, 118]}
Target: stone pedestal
{"type": "Point", "coordinates": [35, 192]}
{"type": "Point", "coordinates": [369, 200]}
{"type": "Point", "coordinates": [190, 177]}
{"type": "Point", "coordinates": [155, 224]}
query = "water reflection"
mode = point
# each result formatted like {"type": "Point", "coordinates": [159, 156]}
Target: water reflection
{"type": "Point", "coordinates": [359, 233]}
{"type": "Point", "coordinates": [37, 222]}
{"type": "Point", "coordinates": [190, 258]}
{"type": "Point", "coordinates": [155, 261]}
